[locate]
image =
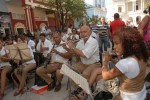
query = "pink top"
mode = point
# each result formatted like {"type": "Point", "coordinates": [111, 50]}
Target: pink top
{"type": "Point", "coordinates": [147, 33]}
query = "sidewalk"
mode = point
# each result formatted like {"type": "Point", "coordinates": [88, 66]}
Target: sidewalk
{"type": "Point", "coordinates": [47, 95]}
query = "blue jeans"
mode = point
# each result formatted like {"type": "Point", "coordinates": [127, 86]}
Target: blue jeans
{"type": "Point", "coordinates": [103, 41]}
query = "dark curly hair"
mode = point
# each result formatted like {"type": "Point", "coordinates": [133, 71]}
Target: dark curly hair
{"type": "Point", "coordinates": [132, 43]}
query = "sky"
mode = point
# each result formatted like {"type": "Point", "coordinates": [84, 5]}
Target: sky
{"type": "Point", "coordinates": [91, 2]}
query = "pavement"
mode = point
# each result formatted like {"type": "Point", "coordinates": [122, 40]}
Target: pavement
{"type": "Point", "coordinates": [47, 95]}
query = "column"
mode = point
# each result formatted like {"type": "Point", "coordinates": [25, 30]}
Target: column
{"type": "Point", "coordinates": [28, 18]}
{"type": "Point", "coordinates": [133, 6]}
{"type": "Point", "coordinates": [33, 18]}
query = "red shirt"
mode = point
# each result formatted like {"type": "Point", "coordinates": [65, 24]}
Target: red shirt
{"type": "Point", "coordinates": [114, 25]}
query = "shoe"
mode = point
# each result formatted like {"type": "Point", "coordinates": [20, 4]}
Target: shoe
{"type": "Point", "coordinates": [51, 86]}
{"type": "Point", "coordinates": [58, 87]}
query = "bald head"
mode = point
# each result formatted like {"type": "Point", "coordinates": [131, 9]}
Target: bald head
{"type": "Point", "coordinates": [85, 31]}
{"type": "Point", "coordinates": [57, 38]}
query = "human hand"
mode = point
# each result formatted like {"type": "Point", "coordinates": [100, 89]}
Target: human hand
{"type": "Point", "coordinates": [54, 51]}
{"type": "Point", "coordinates": [70, 44]}
{"type": "Point", "coordinates": [64, 46]}
{"type": "Point", "coordinates": [106, 57]}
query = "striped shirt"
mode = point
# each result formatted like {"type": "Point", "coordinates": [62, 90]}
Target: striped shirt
{"type": "Point", "coordinates": [102, 29]}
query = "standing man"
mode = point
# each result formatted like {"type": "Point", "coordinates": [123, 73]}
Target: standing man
{"type": "Point", "coordinates": [103, 34]}
{"type": "Point", "coordinates": [114, 25]}
{"type": "Point", "coordinates": [88, 51]}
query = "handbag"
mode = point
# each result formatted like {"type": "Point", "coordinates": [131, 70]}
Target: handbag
{"type": "Point", "coordinates": [103, 96]}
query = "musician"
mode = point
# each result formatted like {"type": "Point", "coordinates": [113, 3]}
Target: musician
{"type": "Point", "coordinates": [24, 68]}
{"type": "Point", "coordinates": [5, 67]}
{"type": "Point", "coordinates": [74, 35]}
{"type": "Point", "coordinates": [88, 50]}
{"type": "Point", "coordinates": [30, 42]}
{"type": "Point", "coordinates": [44, 45]}
{"type": "Point", "coordinates": [59, 55]}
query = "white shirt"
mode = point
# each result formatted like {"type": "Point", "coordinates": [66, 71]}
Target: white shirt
{"type": "Point", "coordinates": [46, 43]}
{"type": "Point", "coordinates": [65, 37]}
{"type": "Point", "coordinates": [57, 57]}
{"type": "Point", "coordinates": [3, 52]}
{"type": "Point", "coordinates": [69, 31]}
{"type": "Point", "coordinates": [90, 49]}
{"type": "Point", "coordinates": [75, 36]}
{"type": "Point", "coordinates": [31, 43]}
{"type": "Point", "coordinates": [130, 68]}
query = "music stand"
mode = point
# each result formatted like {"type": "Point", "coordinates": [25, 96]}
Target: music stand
{"type": "Point", "coordinates": [78, 79]}
{"type": "Point", "coordinates": [20, 52]}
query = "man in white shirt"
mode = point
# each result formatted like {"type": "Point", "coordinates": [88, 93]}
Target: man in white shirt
{"type": "Point", "coordinates": [30, 42]}
{"type": "Point", "coordinates": [44, 46]}
{"type": "Point", "coordinates": [59, 55]}
{"type": "Point", "coordinates": [88, 50]}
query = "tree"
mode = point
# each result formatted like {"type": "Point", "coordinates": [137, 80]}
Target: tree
{"type": "Point", "coordinates": [67, 9]}
{"type": "Point", "coordinates": [147, 3]}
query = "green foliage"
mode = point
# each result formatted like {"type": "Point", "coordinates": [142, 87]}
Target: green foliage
{"type": "Point", "coordinates": [93, 19]}
{"type": "Point", "coordinates": [147, 3]}
{"type": "Point", "coordinates": [69, 8]}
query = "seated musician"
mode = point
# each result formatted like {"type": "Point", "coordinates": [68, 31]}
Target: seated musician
{"type": "Point", "coordinates": [88, 50]}
{"type": "Point", "coordinates": [44, 45]}
{"type": "Point", "coordinates": [59, 55]}
{"type": "Point", "coordinates": [74, 35]}
{"type": "Point", "coordinates": [30, 42]}
{"type": "Point", "coordinates": [24, 68]}
{"type": "Point", "coordinates": [5, 67]}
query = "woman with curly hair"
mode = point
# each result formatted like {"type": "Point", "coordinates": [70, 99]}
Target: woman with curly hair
{"type": "Point", "coordinates": [131, 69]}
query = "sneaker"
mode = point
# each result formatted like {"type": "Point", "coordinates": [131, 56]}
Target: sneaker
{"type": "Point", "coordinates": [58, 87]}
{"type": "Point", "coordinates": [51, 86]}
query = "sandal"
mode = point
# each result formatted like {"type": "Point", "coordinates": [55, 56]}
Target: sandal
{"type": "Point", "coordinates": [78, 94]}
{"type": "Point", "coordinates": [17, 92]}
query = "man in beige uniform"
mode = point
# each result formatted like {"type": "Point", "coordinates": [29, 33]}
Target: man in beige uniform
{"type": "Point", "coordinates": [59, 56]}
{"type": "Point", "coordinates": [88, 50]}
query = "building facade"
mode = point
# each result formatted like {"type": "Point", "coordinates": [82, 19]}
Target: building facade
{"type": "Point", "coordinates": [130, 9]}
{"type": "Point", "coordinates": [5, 19]}
{"type": "Point", "coordinates": [96, 8]}
{"type": "Point", "coordinates": [25, 15]}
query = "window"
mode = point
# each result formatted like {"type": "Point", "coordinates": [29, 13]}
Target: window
{"type": "Point", "coordinates": [137, 7]}
{"type": "Point", "coordinates": [119, 9]}
{"type": "Point", "coordinates": [19, 30]}
{"type": "Point", "coordinates": [130, 6]}
{"type": "Point", "coordinates": [7, 31]}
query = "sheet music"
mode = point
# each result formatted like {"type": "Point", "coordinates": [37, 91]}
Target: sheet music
{"type": "Point", "coordinates": [77, 78]}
